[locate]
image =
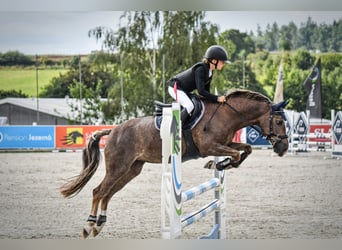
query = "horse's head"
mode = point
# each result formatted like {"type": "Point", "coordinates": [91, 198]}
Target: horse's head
{"type": "Point", "coordinates": [256, 109]}
{"type": "Point", "coordinates": [273, 127]}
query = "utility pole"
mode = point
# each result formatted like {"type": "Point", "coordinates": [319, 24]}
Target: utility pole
{"type": "Point", "coordinates": [121, 86]}
{"type": "Point", "coordinates": [80, 82]}
{"type": "Point", "coordinates": [242, 55]}
{"type": "Point", "coordinates": [243, 71]}
{"type": "Point", "coordinates": [37, 90]}
{"type": "Point", "coordinates": [164, 78]}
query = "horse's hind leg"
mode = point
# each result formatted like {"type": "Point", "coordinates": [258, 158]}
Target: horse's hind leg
{"type": "Point", "coordinates": [134, 171]}
{"type": "Point", "coordinates": [91, 221]}
{"type": "Point", "coordinates": [112, 176]}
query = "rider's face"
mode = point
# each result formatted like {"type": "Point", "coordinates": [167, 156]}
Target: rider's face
{"type": "Point", "coordinates": [220, 65]}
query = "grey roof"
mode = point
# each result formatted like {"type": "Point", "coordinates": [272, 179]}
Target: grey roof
{"type": "Point", "coordinates": [54, 106]}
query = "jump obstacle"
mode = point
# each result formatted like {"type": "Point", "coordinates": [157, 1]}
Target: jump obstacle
{"type": "Point", "coordinates": [172, 195]}
{"type": "Point", "coordinates": [336, 130]}
{"type": "Point", "coordinates": [302, 140]}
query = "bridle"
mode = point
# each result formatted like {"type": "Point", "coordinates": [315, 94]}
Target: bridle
{"type": "Point", "coordinates": [271, 134]}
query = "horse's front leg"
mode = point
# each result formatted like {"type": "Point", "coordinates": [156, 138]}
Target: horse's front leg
{"type": "Point", "coordinates": [231, 162]}
{"type": "Point", "coordinates": [216, 149]}
{"type": "Point", "coordinates": [246, 148]}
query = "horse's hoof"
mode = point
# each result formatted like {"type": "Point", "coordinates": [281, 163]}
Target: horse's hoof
{"type": "Point", "coordinates": [99, 225]}
{"type": "Point", "coordinates": [95, 232]}
{"type": "Point", "coordinates": [87, 229]}
{"type": "Point", "coordinates": [97, 229]}
{"type": "Point", "coordinates": [89, 226]}
{"type": "Point", "coordinates": [85, 233]}
{"type": "Point", "coordinates": [210, 165]}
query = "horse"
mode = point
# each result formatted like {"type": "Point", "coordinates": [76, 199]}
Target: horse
{"type": "Point", "coordinates": [137, 141]}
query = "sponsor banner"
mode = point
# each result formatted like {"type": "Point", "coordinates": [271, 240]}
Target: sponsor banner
{"type": "Point", "coordinates": [301, 125]}
{"type": "Point", "coordinates": [255, 138]}
{"type": "Point", "coordinates": [337, 128]}
{"type": "Point", "coordinates": [76, 137]}
{"type": "Point", "coordinates": [240, 136]}
{"type": "Point", "coordinates": [320, 131]}
{"type": "Point", "coordinates": [27, 137]}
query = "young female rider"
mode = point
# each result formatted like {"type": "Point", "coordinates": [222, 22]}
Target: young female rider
{"type": "Point", "coordinates": [198, 77]}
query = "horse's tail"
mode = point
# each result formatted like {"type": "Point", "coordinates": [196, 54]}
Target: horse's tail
{"type": "Point", "coordinates": [91, 159]}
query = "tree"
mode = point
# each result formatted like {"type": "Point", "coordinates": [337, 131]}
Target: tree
{"type": "Point", "coordinates": [203, 36]}
{"type": "Point", "coordinates": [284, 45]}
{"type": "Point", "coordinates": [12, 58]}
{"type": "Point", "coordinates": [309, 35]}
{"type": "Point", "coordinates": [297, 67]}
{"type": "Point", "coordinates": [288, 37]}
{"type": "Point", "coordinates": [12, 93]}
{"type": "Point", "coordinates": [271, 36]}
{"type": "Point", "coordinates": [303, 59]}
{"type": "Point", "coordinates": [59, 87]}
{"type": "Point", "coordinates": [335, 43]}
{"type": "Point", "coordinates": [181, 38]}
{"type": "Point", "coordinates": [89, 108]}
{"type": "Point", "coordinates": [235, 42]}
{"type": "Point", "coordinates": [142, 42]}
{"type": "Point", "coordinates": [306, 33]}
{"type": "Point", "coordinates": [331, 83]}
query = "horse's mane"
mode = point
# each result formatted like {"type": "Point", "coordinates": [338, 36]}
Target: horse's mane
{"type": "Point", "coordinates": [247, 94]}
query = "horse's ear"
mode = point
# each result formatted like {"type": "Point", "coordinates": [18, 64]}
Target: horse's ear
{"type": "Point", "coordinates": [279, 106]}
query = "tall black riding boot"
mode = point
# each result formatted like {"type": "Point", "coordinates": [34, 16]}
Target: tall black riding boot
{"type": "Point", "coordinates": [184, 115]}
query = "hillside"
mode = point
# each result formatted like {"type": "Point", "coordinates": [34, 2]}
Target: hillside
{"type": "Point", "coordinates": [18, 71]}
{"type": "Point", "coordinates": [24, 79]}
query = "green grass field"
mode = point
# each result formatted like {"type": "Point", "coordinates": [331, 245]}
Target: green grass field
{"type": "Point", "coordinates": [25, 79]}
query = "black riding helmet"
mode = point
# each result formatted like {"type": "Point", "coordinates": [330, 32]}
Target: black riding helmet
{"type": "Point", "coordinates": [216, 52]}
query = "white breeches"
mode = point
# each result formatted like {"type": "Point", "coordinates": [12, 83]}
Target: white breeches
{"type": "Point", "coordinates": [183, 99]}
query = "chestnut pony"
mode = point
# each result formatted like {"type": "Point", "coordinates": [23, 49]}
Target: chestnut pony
{"type": "Point", "coordinates": [137, 141]}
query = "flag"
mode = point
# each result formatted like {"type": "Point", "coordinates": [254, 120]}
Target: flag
{"type": "Point", "coordinates": [313, 87]}
{"type": "Point", "coordinates": [279, 96]}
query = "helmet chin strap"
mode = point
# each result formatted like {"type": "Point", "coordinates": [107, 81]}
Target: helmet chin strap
{"type": "Point", "coordinates": [211, 61]}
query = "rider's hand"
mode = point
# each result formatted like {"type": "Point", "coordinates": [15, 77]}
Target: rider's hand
{"type": "Point", "coordinates": [221, 99]}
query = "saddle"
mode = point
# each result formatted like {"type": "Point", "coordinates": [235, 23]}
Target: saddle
{"type": "Point", "coordinates": [191, 120]}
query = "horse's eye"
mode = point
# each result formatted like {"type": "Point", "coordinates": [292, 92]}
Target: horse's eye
{"type": "Point", "coordinates": [279, 122]}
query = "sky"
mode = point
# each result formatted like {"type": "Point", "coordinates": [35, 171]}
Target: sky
{"type": "Point", "coordinates": [66, 32]}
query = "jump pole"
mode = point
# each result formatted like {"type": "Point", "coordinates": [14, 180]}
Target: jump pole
{"type": "Point", "coordinates": [172, 196]}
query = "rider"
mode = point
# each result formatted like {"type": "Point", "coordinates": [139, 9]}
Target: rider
{"type": "Point", "coordinates": [198, 77]}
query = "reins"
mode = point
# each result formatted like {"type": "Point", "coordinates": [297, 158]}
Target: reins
{"type": "Point", "coordinates": [245, 119]}
{"type": "Point", "coordinates": [207, 123]}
